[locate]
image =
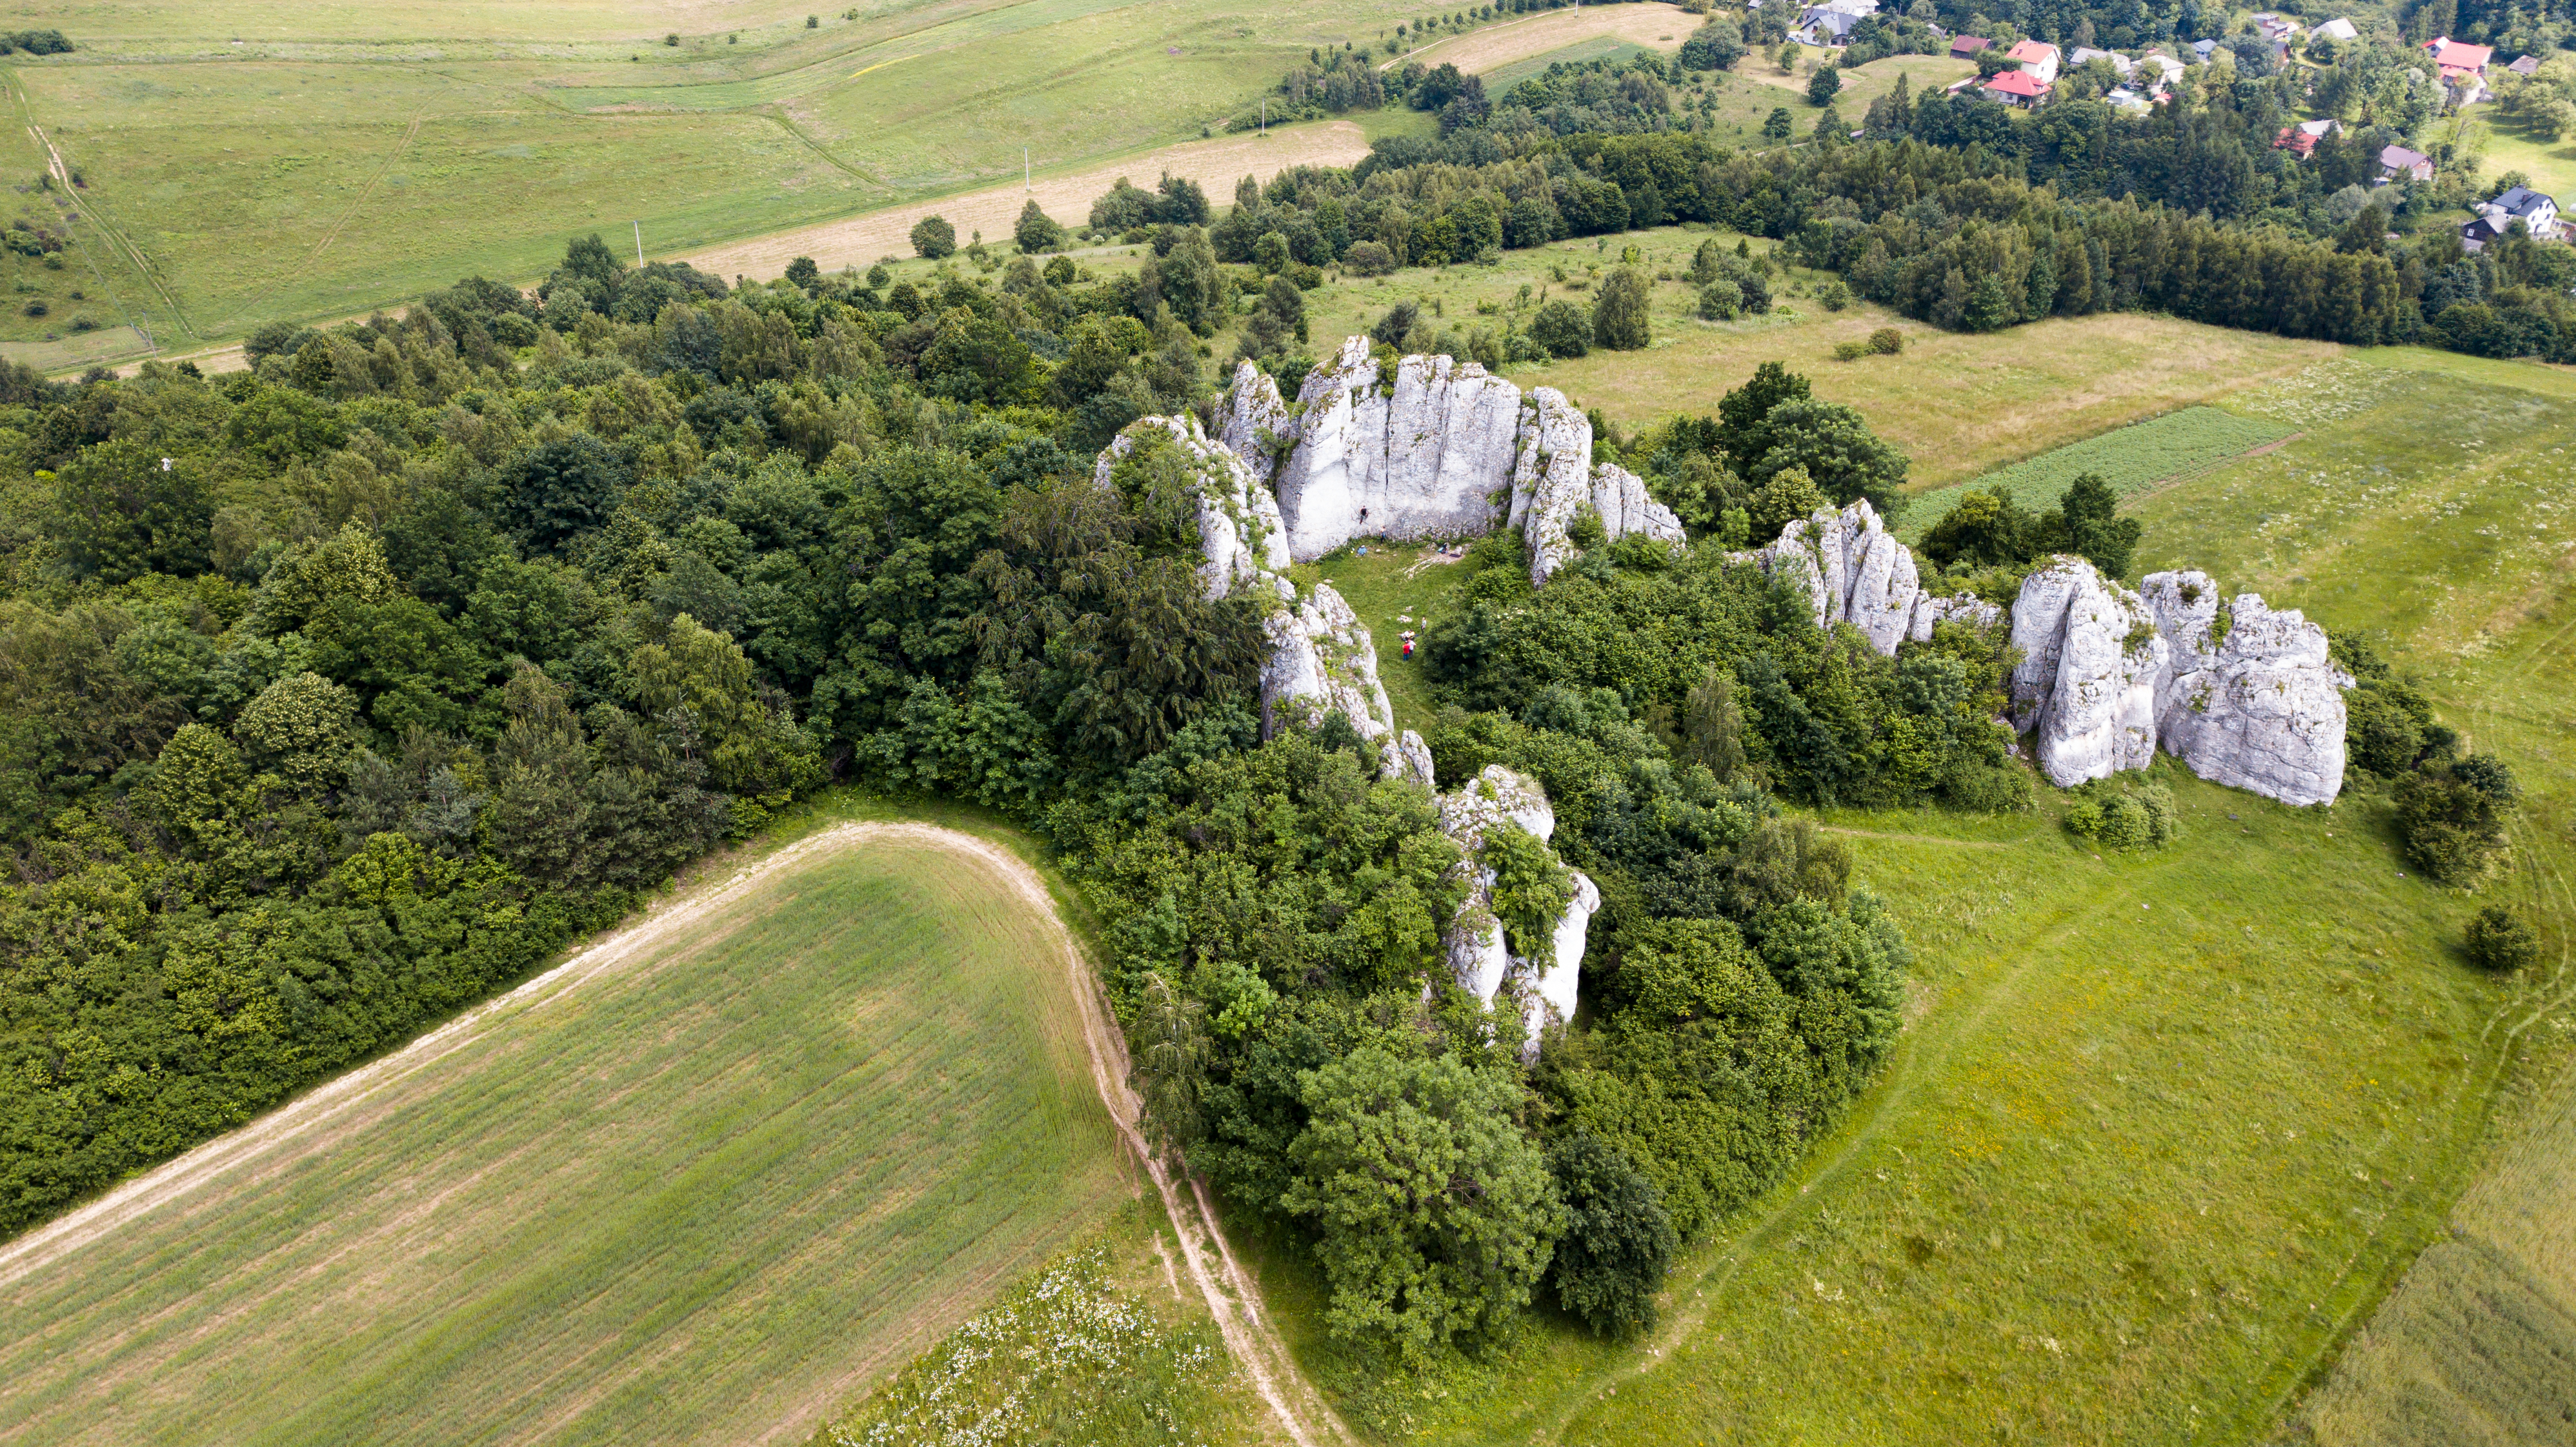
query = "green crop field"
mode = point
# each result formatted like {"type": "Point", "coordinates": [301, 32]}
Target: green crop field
{"type": "Point", "coordinates": [709, 1197]}
{"type": "Point", "coordinates": [2131, 459]}
{"type": "Point", "coordinates": [2163, 1131]}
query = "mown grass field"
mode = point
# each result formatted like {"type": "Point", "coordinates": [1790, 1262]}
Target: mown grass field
{"type": "Point", "coordinates": [1959, 404]}
{"type": "Point", "coordinates": [2131, 459]}
{"type": "Point", "coordinates": [314, 162]}
{"type": "Point", "coordinates": [710, 1198]}
{"type": "Point", "coordinates": [2164, 1131]}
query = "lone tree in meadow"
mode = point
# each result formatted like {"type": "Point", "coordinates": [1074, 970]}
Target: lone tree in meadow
{"type": "Point", "coordinates": [934, 238]}
{"type": "Point", "coordinates": [1036, 231]}
{"type": "Point", "coordinates": [1619, 318]}
{"type": "Point", "coordinates": [1824, 85]}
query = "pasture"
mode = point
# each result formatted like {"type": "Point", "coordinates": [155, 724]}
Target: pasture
{"type": "Point", "coordinates": [2131, 459]}
{"type": "Point", "coordinates": [2165, 1129]}
{"type": "Point", "coordinates": [708, 1193]}
{"type": "Point", "coordinates": [315, 162]}
{"type": "Point", "coordinates": [1960, 404]}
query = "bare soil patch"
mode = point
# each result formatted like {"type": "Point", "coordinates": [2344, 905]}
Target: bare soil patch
{"type": "Point", "coordinates": [1214, 164]}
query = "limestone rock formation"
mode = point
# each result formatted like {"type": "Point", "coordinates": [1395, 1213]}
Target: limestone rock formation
{"type": "Point", "coordinates": [1439, 449]}
{"type": "Point", "coordinates": [2248, 697]}
{"type": "Point", "coordinates": [1856, 572]}
{"type": "Point", "coordinates": [1240, 530]}
{"type": "Point", "coordinates": [1473, 942]}
{"type": "Point", "coordinates": [2086, 685]}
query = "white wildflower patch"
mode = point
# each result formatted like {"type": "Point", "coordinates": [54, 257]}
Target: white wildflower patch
{"type": "Point", "coordinates": [1066, 1358]}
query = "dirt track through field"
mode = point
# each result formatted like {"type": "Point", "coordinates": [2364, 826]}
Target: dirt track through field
{"type": "Point", "coordinates": [233, 1159]}
{"type": "Point", "coordinates": [860, 240]}
{"type": "Point", "coordinates": [1655, 26]}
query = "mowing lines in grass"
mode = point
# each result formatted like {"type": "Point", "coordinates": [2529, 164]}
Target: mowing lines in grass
{"type": "Point", "coordinates": [709, 1196]}
{"type": "Point", "coordinates": [2132, 459]}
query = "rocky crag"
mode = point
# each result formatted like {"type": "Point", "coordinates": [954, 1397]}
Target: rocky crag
{"type": "Point", "coordinates": [1473, 941]}
{"type": "Point", "coordinates": [1856, 572]}
{"type": "Point", "coordinates": [1323, 661]}
{"type": "Point", "coordinates": [1430, 448]}
{"type": "Point", "coordinates": [2243, 695]}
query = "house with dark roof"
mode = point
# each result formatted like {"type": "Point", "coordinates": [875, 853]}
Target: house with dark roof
{"type": "Point", "coordinates": [2537, 214]}
{"type": "Point", "coordinates": [2396, 161]}
{"type": "Point", "coordinates": [1965, 47]}
{"type": "Point", "coordinates": [2527, 66]}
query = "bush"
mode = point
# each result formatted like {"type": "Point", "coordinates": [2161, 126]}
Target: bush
{"type": "Point", "coordinates": [1618, 1241]}
{"type": "Point", "coordinates": [1850, 351]}
{"type": "Point", "coordinates": [1368, 258]}
{"type": "Point", "coordinates": [2453, 831]}
{"type": "Point", "coordinates": [1620, 319]}
{"type": "Point", "coordinates": [513, 330]}
{"type": "Point", "coordinates": [1720, 300]}
{"type": "Point", "coordinates": [934, 238]}
{"type": "Point", "coordinates": [1037, 231]}
{"type": "Point", "coordinates": [1560, 328]}
{"type": "Point", "coordinates": [2499, 940]}
{"type": "Point", "coordinates": [1833, 296]}
{"type": "Point", "coordinates": [1887, 341]}
{"type": "Point", "coordinates": [2146, 819]}
{"type": "Point", "coordinates": [1988, 789]}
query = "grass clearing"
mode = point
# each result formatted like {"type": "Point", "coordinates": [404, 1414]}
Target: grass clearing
{"type": "Point", "coordinates": [1392, 587]}
{"type": "Point", "coordinates": [710, 1197]}
{"type": "Point", "coordinates": [2165, 1130]}
{"type": "Point", "coordinates": [1959, 404]}
{"type": "Point", "coordinates": [2131, 459]}
{"type": "Point", "coordinates": [1653, 25]}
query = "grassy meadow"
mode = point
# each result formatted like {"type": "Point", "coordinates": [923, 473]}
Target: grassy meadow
{"type": "Point", "coordinates": [313, 162]}
{"type": "Point", "coordinates": [2165, 1130]}
{"type": "Point", "coordinates": [2131, 459]}
{"type": "Point", "coordinates": [710, 1198]}
{"type": "Point", "coordinates": [1959, 404]}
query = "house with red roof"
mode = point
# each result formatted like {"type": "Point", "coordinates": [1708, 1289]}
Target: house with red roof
{"type": "Point", "coordinates": [2017, 88]}
{"type": "Point", "coordinates": [2455, 60]}
{"type": "Point", "coordinates": [1965, 47]}
{"type": "Point", "coordinates": [2301, 140]}
{"type": "Point", "coordinates": [2037, 59]}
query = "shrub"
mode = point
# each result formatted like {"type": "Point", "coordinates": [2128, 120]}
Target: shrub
{"type": "Point", "coordinates": [1618, 1240]}
{"type": "Point", "coordinates": [2453, 831]}
{"type": "Point", "coordinates": [1833, 296]}
{"type": "Point", "coordinates": [1887, 341]}
{"type": "Point", "coordinates": [1988, 789]}
{"type": "Point", "coordinates": [37, 308]}
{"type": "Point", "coordinates": [1720, 300]}
{"type": "Point", "coordinates": [2146, 819]}
{"type": "Point", "coordinates": [1561, 328]}
{"type": "Point", "coordinates": [2499, 940]}
{"type": "Point", "coordinates": [1368, 258]}
{"type": "Point", "coordinates": [1037, 231]}
{"type": "Point", "coordinates": [934, 238]}
{"type": "Point", "coordinates": [1850, 351]}
{"type": "Point", "coordinates": [1620, 320]}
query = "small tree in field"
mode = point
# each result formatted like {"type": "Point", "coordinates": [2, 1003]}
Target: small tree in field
{"type": "Point", "coordinates": [1824, 85]}
{"type": "Point", "coordinates": [934, 238]}
{"type": "Point", "coordinates": [1619, 317]}
{"type": "Point", "coordinates": [1036, 231]}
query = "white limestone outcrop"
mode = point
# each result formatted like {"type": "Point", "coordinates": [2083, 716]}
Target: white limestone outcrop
{"type": "Point", "coordinates": [1240, 531]}
{"type": "Point", "coordinates": [2248, 697]}
{"type": "Point", "coordinates": [1473, 942]}
{"type": "Point", "coordinates": [1438, 449]}
{"type": "Point", "coordinates": [1321, 658]}
{"type": "Point", "coordinates": [1856, 572]}
{"type": "Point", "coordinates": [2086, 686]}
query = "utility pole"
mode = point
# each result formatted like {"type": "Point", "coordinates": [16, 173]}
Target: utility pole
{"type": "Point", "coordinates": [639, 246]}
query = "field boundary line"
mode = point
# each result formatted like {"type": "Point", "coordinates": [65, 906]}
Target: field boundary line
{"type": "Point", "coordinates": [1233, 1300]}
{"type": "Point", "coordinates": [366, 192]}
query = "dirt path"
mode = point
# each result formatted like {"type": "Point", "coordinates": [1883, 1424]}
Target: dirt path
{"type": "Point", "coordinates": [1656, 26]}
{"type": "Point", "coordinates": [1214, 164]}
{"type": "Point", "coordinates": [1232, 1299]}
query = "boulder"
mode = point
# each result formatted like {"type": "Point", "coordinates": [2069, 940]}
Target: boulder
{"type": "Point", "coordinates": [2248, 697]}
{"type": "Point", "coordinates": [2086, 685]}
